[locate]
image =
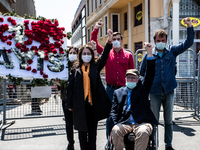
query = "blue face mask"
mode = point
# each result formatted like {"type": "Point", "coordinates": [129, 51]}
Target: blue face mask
{"type": "Point", "coordinates": [131, 85]}
{"type": "Point", "coordinates": [160, 46]}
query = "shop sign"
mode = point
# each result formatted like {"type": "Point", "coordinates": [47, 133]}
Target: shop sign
{"type": "Point", "coordinates": [195, 22]}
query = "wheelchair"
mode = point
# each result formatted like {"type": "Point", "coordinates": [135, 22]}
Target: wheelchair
{"type": "Point", "coordinates": [129, 140]}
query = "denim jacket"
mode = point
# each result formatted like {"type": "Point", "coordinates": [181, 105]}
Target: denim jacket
{"type": "Point", "coordinates": [164, 80]}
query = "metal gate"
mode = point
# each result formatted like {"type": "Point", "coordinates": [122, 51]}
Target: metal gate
{"type": "Point", "coordinates": [18, 104]}
{"type": "Point", "coordinates": [185, 97]}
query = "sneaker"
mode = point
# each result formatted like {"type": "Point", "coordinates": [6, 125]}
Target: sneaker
{"type": "Point", "coordinates": [169, 148]}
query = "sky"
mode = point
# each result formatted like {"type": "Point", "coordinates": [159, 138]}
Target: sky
{"type": "Point", "coordinates": [63, 10]}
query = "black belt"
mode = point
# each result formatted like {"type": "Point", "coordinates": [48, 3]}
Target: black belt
{"type": "Point", "coordinates": [113, 86]}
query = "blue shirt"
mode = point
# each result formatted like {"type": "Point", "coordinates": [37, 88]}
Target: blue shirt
{"type": "Point", "coordinates": [164, 80]}
{"type": "Point", "coordinates": [131, 120]}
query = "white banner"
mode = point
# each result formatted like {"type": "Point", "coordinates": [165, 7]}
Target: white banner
{"type": "Point", "coordinates": [32, 48]}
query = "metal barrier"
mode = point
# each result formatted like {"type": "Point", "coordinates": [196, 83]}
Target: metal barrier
{"type": "Point", "coordinates": [185, 97]}
{"type": "Point", "coordinates": [198, 88]}
{"type": "Point", "coordinates": [18, 104]}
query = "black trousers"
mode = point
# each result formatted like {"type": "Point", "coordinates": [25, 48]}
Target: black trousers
{"type": "Point", "coordinates": [68, 124]}
{"type": "Point", "coordinates": [88, 139]}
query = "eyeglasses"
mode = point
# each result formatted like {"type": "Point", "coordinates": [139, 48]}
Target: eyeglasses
{"type": "Point", "coordinates": [131, 78]}
{"type": "Point", "coordinates": [118, 39]}
{"type": "Point", "coordinates": [88, 53]}
{"type": "Point", "coordinates": [72, 52]}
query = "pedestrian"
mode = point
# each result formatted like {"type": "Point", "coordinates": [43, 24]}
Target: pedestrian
{"type": "Point", "coordinates": [119, 61]}
{"type": "Point", "coordinates": [86, 95]}
{"type": "Point", "coordinates": [62, 86]}
{"type": "Point", "coordinates": [162, 90]}
{"type": "Point", "coordinates": [131, 107]}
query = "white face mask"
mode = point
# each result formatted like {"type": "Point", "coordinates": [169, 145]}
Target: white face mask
{"type": "Point", "coordinates": [86, 58]}
{"type": "Point", "coordinates": [116, 44]}
{"type": "Point", "coordinates": [72, 57]}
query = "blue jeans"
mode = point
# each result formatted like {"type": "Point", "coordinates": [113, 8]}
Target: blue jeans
{"type": "Point", "coordinates": [167, 100]}
{"type": "Point", "coordinates": [110, 92]}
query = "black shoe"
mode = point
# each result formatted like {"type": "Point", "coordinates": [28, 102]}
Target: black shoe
{"type": "Point", "coordinates": [70, 147]}
{"type": "Point", "coordinates": [169, 148]}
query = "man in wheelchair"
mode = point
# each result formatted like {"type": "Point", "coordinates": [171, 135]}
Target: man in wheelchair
{"type": "Point", "coordinates": [131, 107]}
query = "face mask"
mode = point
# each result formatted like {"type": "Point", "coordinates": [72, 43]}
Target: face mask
{"type": "Point", "coordinates": [86, 58]}
{"type": "Point", "coordinates": [72, 57]}
{"type": "Point", "coordinates": [131, 85]}
{"type": "Point", "coordinates": [160, 45]}
{"type": "Point", "coordinates": [116, 44]}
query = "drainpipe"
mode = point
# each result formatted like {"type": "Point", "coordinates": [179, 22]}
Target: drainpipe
{"type": "Point", "coordinates": [175, 27]}
{"type": "Point", "coordinates": [129, 26]}
{"type": "Point", "coordinates": [146, 21]}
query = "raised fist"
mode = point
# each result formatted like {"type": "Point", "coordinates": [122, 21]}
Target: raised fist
{"type": "Point", "coordinates": [110, 34]}
{"type": "Point", "coordinates": [148, 47]}
{"type": "Point", "coordinates": [93, 44]}
{"type": "Point", "coordinates": [187, 21]}
{"type": "Point", "coordinates": [99, 24]}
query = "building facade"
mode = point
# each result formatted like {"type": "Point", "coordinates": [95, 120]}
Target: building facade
{"type": "Point", "coordinates": [21, 7]}
{"type": "Point", "coordinates": [137, 20]}
{"type": "Point", "coordinates": [78, 26]}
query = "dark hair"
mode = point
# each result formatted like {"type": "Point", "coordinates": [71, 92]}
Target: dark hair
{"type": "Point", "coordinates": [72, 47]}
{"type": "Point", "coordinates": [117, 33]}
{"type": "Point", "coordinates": [79, 60]}
{"type": "Point", "coordinates": [160, 33]}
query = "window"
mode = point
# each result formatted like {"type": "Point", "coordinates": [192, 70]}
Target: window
{"type": "Point", "coordinates": [100, 2]}
{"type": "Point", "coordinates": [125, 21]}
{"type": "Point", "coordinates": [105, 24]}
{"type": "Point", "coordinates": [100, 30]}
{"type": "Point", "coordinates": [115, 22]}
{"type": "Point", "coordinates": [138, 15]}
{"type": "Point", "coordinates": [88, 8]}
{"type": "Point", "coordinates": [88, 35]}
{"type": "Point", "coordinates": [95, 4]}
{"type": "Point", "coordinates": [92, 28]}
{"type": "Point", "coordinates": [125, 46]}
{"type": "Point", "coordinates": [91, 6]}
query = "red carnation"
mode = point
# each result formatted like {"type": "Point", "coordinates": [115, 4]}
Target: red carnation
{"type": "Point", "coordinates": [18, 45]}
{"type": "Point", "coordinates": [28, 68]}
{"type": "Point", "coordinates": [29, 61]}
{"type": "Point", "coordinates": [61, 52]}
{"type": "Point", "coordinates": [13, 34]}
{"type": "Point", "coordinates": [41, 72]}
{"type": "Point", "coordinates": [62, 41]}
{"type": "Point", "coordinates": [10, 37]}
{"type": "Point", "coordinates": [36, 52]}
{"type": "Point", "coordinates": [13, 23]}
{"type": "Point", "coordinates": [45, 76]}
{"type": "Point", "coordinates": [34, 71]}
{"type": "Point", "coordinates": [9, 43]}
{"type": "Point", "coordinates": [1, 19]}
{"type": "Point", "coordinates": [9, 51]}
{"type": "Point", "coordinates": [54, 51]}
{"type": "Point", "coordinates": [46, 57]}
{"type": "Point", "coordinates": [9, 19]}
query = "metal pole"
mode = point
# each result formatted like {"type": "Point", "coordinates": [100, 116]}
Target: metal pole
{"type": "Point", "coordinates": [4, 102]}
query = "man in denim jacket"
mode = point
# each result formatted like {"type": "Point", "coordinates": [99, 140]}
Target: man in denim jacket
{"type": "Point", "coordinates": [162, 90]}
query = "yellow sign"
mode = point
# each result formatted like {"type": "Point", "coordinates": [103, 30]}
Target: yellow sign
{"type": "Point", "coordinates": [140, 56]}
{"type": "Point", "coordinates": [195, 22]}
{"type": "Point", "coordinates": [139, 15]}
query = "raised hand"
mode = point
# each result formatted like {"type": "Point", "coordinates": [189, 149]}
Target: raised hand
{"type": "Point", "coordinates": [93, 44]}
{"type": "Point", "coordinates": [98, 25]}
{"type": "Point", "coordinates": [187, 21]}
{"type": "Point", "coordinates": [110, 34]}
{"type": "Point", "coordinates": [148, 47]}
